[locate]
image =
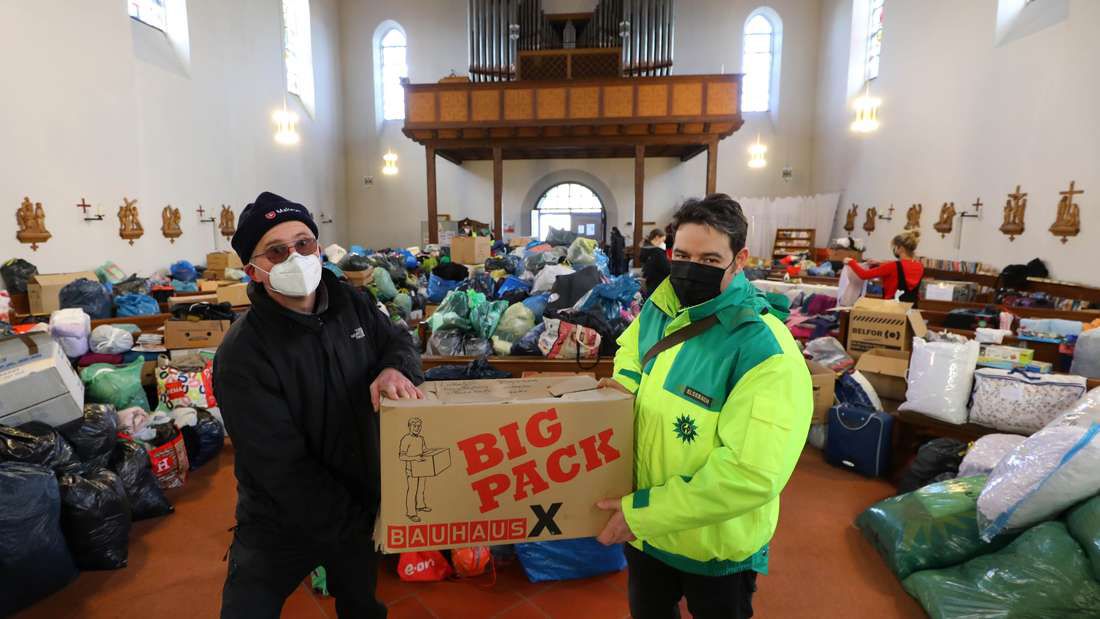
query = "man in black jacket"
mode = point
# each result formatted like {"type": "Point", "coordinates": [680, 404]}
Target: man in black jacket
{"type": "Point", "coordinates": [298, 379]}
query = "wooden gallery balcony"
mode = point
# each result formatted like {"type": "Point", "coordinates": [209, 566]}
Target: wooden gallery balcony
{"type": "Point", "coordinates": [670, 116]}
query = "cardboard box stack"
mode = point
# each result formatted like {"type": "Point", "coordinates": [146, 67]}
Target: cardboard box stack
{"type": "Point", "coordinates": [37, 382]}
{"type": "Point", "coordinates": [471, 249]}
{"type": "Point", "coordinates": [43, 290]}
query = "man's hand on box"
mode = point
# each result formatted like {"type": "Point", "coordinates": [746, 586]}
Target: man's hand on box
{"type": "Point", "coordinates": [393, 384]}
{"type": "Point", "coordinates": [617, 530]}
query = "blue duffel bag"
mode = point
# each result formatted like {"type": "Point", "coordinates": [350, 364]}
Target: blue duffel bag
{"type": "Point", "coordinates": [859, 439]}
{"type": "Point", "coordinates": [569, 559]}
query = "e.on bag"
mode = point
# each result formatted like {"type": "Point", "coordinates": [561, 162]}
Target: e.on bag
{"type": "Point", "coordinates": [565, 340]}
{"type": "Point", "coordinates": [423, 566]}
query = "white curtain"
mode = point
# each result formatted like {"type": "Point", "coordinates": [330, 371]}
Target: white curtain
{"type": "Point", "coordinates": [766, 215]}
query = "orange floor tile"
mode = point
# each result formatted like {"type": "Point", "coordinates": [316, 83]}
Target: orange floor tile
{"type": "Point", "coordinates": [820, 566]}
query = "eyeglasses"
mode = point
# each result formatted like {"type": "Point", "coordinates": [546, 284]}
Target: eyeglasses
{"type": "Point", "coordinates": [280, 253]}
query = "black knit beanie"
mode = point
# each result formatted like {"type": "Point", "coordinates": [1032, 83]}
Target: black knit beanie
{"type": "Point", "coordinates": [268, 211]}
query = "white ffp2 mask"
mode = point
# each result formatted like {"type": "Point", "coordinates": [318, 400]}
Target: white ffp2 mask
{"type": "Point", "coordinates": [297, 276]}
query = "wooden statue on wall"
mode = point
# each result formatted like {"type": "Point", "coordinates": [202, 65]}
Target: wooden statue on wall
{"type": "Point", "coordinates": [129, 224]}
{"type": "Point", "coordinates": [1068, 222]}
{"type": "Point", "coordinates": [1015, 206]}
{"type": "Point", "coordinates": [947, 219]}
{"type": "Point", "coordinates": [912, 217]}
{"type": "Point", "coordinates": [228, 222]}
{"type": "Point", "coordinates": [869, 225]}
{"type": "Point", "coordinates": [170, 223]}
{"type": "Point", "coordinates": [850, 224]}
{"type": "Point", "coordinates": [32, 224]}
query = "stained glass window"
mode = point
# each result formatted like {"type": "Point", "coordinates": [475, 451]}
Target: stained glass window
{"type": "Point", "coordinates": [297, 48]}
{"type": "Point", "coordinates": [874, 37]}
{"type": "Point", "coordinates": [756, 63]}
{"type": "Point", "coordinates": [150, 12]}
{"type": "Point", "coordinates": [392, 49]}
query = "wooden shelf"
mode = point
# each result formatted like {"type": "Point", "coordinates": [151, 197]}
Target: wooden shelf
{"type": "Point", "coordinates": [793, 241]}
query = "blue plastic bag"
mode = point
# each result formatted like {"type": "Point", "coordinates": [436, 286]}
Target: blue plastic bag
{"type": "Point", "coordinates": [357, 250]}
{"type": "Point", "coordinates": [439, 287]}
{"type": "Point", "coordinates": [183, 271]}
{"type": "Point", "coordinates": [510, 284]}
{"type": "Point", "coordinates": [410, 259]}
{"type": "Point", "coordinates": [569, 559]}
{"type": "Point", "coordinates": [613, 297]}
{"type": "Point", "coordinates": [537, 304]}
{"type": "Point", "coordinates": [182, 286]}
{"type": "Point", "coordinates": [133, 304]}
{"type": "Point", "coordinates": [603, 263]}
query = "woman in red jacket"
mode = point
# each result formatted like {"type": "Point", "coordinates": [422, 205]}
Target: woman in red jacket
{"type": "Point", "coordinates": [903, 274]}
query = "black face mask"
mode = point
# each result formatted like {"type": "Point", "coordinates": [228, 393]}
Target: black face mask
{"type": "Point", "coordinates": [695, 283]}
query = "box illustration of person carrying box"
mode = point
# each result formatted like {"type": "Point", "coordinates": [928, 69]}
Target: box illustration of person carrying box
{"type": "Point", "coordinates": [420, 464]}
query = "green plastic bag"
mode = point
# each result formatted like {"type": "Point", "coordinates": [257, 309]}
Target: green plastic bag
{"type": "Point", "coordinates": [454, 311]}
{"type": "Point", "coordinates": [582, 253]}
{"type": "Point", "coordinates": [486, 316]}
{"type": "Point", "coordinates": [404, 303]}
{"type": "Point", "coordinates": [1084, 525]}
{"type": "Point", "coordinates": [318, 581]}
{"type": "Point", "coordinates": [516, 321]}
{"type": "Point", "coordinates": [1043, 573]}
{"type": "Point", "coordinates": [383, 285]}
{"type": "Point", "coordinates": [118, 385]}
{"type": "Point", "coordinates": [935, 526]}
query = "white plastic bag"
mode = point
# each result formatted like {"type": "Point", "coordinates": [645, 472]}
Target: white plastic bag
{"type": "Point", "coordinates": [1015, 401]}
{"type": "Point", "coordinates": [1083, 412]}
{"type": "Point", "coordinates": [828, 351]}
{"type": "Point", "coordinates": [335, 253]}
{"type": "Point", "coordinates": [1086, 355]}
{"type": "Point", "coordinates": [940, 375]}
{"type": "Point", "coordinates": [108, 340]}
{"type": "Point", "coordinates": [547, 276]}
{"type": "Point", "coordinates": [1049, 472]}
{"type": "Point", "coordinates": [986, 452]}
{"type": "Point", "coordinates": [850, 288]}
{"type": "Point", "coordinates": [70, 327]}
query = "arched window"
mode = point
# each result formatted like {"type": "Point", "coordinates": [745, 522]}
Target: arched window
{"type": "Point", "coordinates": [569, 206]}
{"type": "Point", "coordinates": [298, 50]}
{"type": "Point", "coordinates": [874, 37]}
{"type": "Point", "coordinates": [760, 60]}
{"type": "Point", "coordinates": [392, 67]}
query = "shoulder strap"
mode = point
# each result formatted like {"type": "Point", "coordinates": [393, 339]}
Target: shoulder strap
{"type": "Point", "coordinates": [682, 335]}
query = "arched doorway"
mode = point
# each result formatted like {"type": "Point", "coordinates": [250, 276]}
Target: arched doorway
{"type": "Point", "coordinates": [570, 206]}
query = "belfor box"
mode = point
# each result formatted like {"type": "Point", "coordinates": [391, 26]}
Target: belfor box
{"type": "Point", "coordinates": [878, 323]}
{"type": "Point", "coordinates": [489, 462]}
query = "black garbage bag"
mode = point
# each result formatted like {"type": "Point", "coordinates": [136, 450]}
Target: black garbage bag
{"type": "Point", "coordinates": [571, 287]}
{"type": "Point", "coordinates": [479, 282]}
{"type": "Point", "coordinates": [475, 370]}
{"type": "Point", "coordinates": [528, 345]}
{"type": "Point", "coordinates": [17, 272]}
{"type": "Point", "coordinates": [561, 238]}
{"type": "Point", "coordinates": [496, 263]}
{"type": "Point", "coordinates": [34, 560]}
{"type": "Point", "coordinates": [92, 297]}
{"type": "Point", "coordinates": [131, 463]}
{"type": "Point", "coordinates": [394, 265]}
{"type": "Point", "coordinates": [95, 516]}
{"type": "Point", "coordinates": [934, 458]}
{"type": "Point", "coordinates": [204, 311]}
{"type": "Point", "coordinates": [37, 443]}
{"type": "Point", "coordinates": [516, 295]}
{"type": "Point", "coordinates": [451, 271]}
{"type": "Point", "coordinates": [354, 262]}
{"type": "Point", "coordinates": [458, 343]}
{"type": "Point", "coordinates": [94, 435]}
{"type": "Point", "coordinates": [203, 440]}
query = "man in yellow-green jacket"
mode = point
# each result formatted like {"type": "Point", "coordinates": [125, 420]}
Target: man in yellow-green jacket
{"type": "Point", "coordinates": [720, 421]}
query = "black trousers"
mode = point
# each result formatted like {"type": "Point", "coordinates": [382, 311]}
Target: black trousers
{"type": "Point", "coordinates": [263, 573]}
{"type": "Point", "coordinates": [656, 588]}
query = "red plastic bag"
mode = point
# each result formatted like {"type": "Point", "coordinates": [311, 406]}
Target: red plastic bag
{"type": "Point", "coordinates": [424, 566]}
{"type": "Point", "coordinates": [470, 562]}
{"type": "Point", "coordinates": [170, 463]}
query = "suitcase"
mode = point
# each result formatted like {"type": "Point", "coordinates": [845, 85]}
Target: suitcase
{"type": "Point", "coordinates": [859, 439]}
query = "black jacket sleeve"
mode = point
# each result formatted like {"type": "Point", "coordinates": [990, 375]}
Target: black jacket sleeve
{"type": "Point", "coordinates": [277, 457]}
{"type": "Point", "coordinates": [397, 348]}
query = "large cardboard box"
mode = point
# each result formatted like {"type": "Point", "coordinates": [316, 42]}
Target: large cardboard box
{"type": "Point", "coordinates": [37, 382]}
{"type": "Point", "coordinates": [223, 260]}
{"type": "Point", "coordinates": [471, 249]}
{"type": "Point", "coordinates": [194, 333]}
{"type": "Point", "coordinates": [234, 294]}
{"type": "Point", "coordinates": [824, 381]}
{"type": "Point", "coordinates": [43, 289]}
{"type": "Point", "coordinates": [886, 371]}
{"type": "Point", "coordinates": [502, 461]}
{"type": "Point", "coordinates": [879, 323]}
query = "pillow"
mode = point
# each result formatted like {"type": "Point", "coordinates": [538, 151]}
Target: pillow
{"type": "Point", "coordinates": [940, 376]}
